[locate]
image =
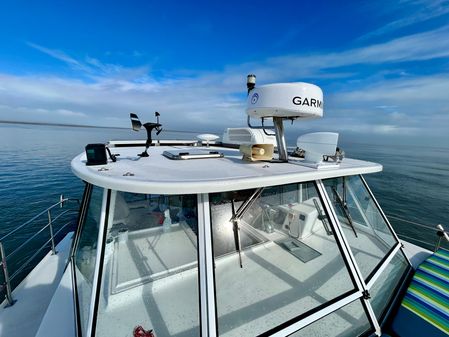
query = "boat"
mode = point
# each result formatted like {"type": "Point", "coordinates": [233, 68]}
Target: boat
{"type": "Point", "coordinates": [231, 237]}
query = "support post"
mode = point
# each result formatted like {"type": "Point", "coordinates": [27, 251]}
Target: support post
{"type": "Point", "coordinates": [50, 224]}
{"type": "Point", "coordinates": [441, 233]}
{"type": "Point", "coordinates": [6, 274]}
{"type": "Point", "coordinates": [280, 138]}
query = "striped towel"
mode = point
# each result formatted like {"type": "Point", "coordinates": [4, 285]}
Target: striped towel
{"type": "Point", "coordinates": [424, 309]}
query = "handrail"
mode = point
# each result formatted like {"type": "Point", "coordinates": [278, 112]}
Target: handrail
{"type": "Point", "coordinates": [49, 224]}
{"type": "Point", "coordinates": [36, 253]}
{"type": "Point", "coordinates": [411, 222]}
{"type": "Point", "coordinates": [441, 234]}
{"type": "Point", "coordinates": [414, 239]}
{"type": "Point", "coordinates": [439, 230]}
{"type": "Point", "coordinates": [60, 202]}
{"type": "Point", "coordinates": [38, 232]}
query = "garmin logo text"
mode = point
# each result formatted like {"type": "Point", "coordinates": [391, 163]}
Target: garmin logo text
{"type": "Point", "coordinates": [307, 101]}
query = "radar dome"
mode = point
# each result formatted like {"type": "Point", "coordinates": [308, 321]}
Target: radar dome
{"type": "Point", "coordinates": [286, 100]}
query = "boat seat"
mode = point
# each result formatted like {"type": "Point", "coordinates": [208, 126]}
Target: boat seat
{"type": "Point", "coordinates": [424, 310]}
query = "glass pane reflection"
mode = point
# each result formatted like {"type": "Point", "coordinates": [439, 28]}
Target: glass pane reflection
{"type": "Point", "coordinates": [348, 321]}
{"type": "Point", "coordinates": [86, 256]}
{"type": "Point", "coordinates": [384, 287]}
{"type": "Point", "coordinates": [290, 260]}
{"type": "Point", "coordinates": [150, 274]}
{"type": "Point", "coordinates": [364, 227]}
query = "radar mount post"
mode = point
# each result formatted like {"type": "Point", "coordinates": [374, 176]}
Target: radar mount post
{"type": "Point", "coordinates": [280, 138]}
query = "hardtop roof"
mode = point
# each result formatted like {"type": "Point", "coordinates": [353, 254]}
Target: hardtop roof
{"type": "Point", "coordinates": [157, 174]}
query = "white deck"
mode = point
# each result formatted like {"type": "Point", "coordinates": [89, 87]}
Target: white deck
{"type": "Point", "coordinates": [34, 294]}
{"type": "Point", "coordinates": [157, 174]}
{"type": "Point", "coordinates": [415, 254]}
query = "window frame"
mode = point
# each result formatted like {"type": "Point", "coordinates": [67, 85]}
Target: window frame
{"type": "Point", "coordinates": [80, 224]}
{"type": "Point", "coordinates": [100, 253]}
{"type": "Point", "coordinates": [207, 299]}
{"type": "Point", "coordinates": [106, 217]}
{"type": "Point", "coordinates": [296, 323]}
{"type": "Point", "coordinates": [367, 283]}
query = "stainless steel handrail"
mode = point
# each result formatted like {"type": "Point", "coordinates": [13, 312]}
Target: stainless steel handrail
{"type": "Point", "coordinates": [49, 224]}
{"type": "Point", "coordinates": [441, 234]}
{"type": "Point", "coordinates": [411, 222]}
{"type": "Point", "coordinates": [439, 230]}
{"type": "Point", "coordinates": [36, 253]}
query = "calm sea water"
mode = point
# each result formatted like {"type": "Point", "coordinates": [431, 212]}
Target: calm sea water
{"type": "Point", "coordinates": [35, 170]}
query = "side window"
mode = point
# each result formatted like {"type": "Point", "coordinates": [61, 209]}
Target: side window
{"type": "Point", "coordinates": [279, 259]}
{"type": "Point", "coordinates": [363, 225]}
{"type": "Point", "coordinates": [86, 255]}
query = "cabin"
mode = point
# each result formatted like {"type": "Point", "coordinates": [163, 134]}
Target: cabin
{"type": "Point", "coordinates": [220, 246]}
{"type": "Point", "coordinates": [239, 237]}
{"type": "Point", "coordinates": [214, 239]}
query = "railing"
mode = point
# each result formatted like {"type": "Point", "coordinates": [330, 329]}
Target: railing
{"type": "Point", "coordinates": [5, 257]}
{"type": "Point", "coordinates": [440, 232]}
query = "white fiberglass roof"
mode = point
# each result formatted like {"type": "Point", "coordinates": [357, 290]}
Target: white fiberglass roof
{"type": "Point", "coordinates": [157, 174]}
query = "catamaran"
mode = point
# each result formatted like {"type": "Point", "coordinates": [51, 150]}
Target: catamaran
{"type": "Point", "coordinates": [237, 236]}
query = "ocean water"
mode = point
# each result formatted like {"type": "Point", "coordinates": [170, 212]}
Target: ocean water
{"type": "Point", "coordinates": [35, 170]}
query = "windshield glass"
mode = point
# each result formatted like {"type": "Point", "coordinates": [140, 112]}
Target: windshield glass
{"type": "Point", "coordinates": [86, 256]}
{"type": "Point", "coordinates": [275, 257]}
{"type": "Point", "coordinates": [368, 235]}
{"type": "Point", "coordinates": [150, 272]}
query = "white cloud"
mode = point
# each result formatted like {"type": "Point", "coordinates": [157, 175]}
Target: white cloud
{"type": "Point", "coordinates": [212, 100]}
{"type": "Point", "coordinates": [59, 55]}
{"type": "Point", "coordinates": [70, 113]}
{"type": "Point", "coordinates": [411, 12]}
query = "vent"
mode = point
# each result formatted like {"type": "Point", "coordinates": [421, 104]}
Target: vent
{"type": "Point", "coordinates": [240, 135]}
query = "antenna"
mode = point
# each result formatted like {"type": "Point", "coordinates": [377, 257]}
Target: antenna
{"type": "Point", "coordinates": [136, 125]}
{"type": "Point", "coordinates": [250, 82]}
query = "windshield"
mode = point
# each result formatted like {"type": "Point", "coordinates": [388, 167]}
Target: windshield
{"type": "Point", "coordinates": [365, 228]}
{"type": "Point", "coordinates": [150, 273]}
{"type": "Point", "coordinates": [275, 260]}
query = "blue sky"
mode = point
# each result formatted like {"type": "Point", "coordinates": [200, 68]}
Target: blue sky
{"type": "Point", "coordinates": [383, 65]}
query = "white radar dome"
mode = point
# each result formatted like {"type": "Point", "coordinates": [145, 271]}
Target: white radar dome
{"type": "Point", "coordinates": [286, 100]}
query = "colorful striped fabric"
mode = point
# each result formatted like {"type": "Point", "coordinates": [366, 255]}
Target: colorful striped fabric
{"type": "Point", "coordinates": [427, 298]}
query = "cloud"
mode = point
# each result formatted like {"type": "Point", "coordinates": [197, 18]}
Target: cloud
{"type": "Point", "coordinates": [91, 67]}
{"type": "Point", "coordinates": [59, 55]}
{"type": "Point", "coordinates": [410, 12]}
{"type": "Point", "coordinates": [415, 47]}
{"type": "Point", "coordinates": [212, 100]}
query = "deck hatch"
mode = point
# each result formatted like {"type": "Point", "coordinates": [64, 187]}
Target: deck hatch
{"type": "Point", "coordinates": [299, 249]}
{"type": "Point", "coordinates": [192, 154]}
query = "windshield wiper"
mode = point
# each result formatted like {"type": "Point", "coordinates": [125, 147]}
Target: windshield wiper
{"type": "Point", "coordinates": [237, 215]}
{"type": "Point", "coordinates": [345, 209]}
